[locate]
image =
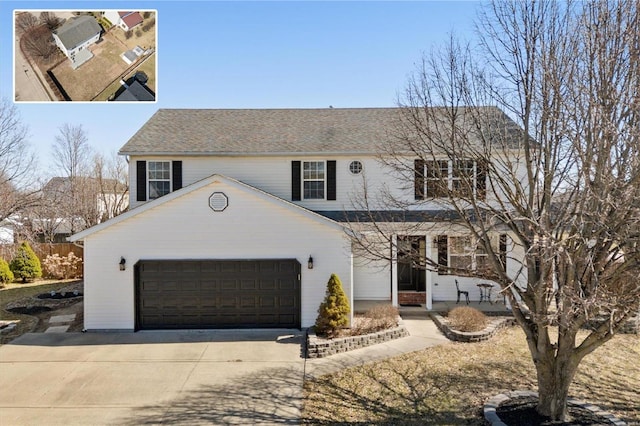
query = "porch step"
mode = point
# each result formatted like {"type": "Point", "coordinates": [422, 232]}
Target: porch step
{"type": "Point", "coordinates": [412, 297]}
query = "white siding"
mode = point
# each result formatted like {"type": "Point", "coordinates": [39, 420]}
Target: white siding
{"type": "Point", "coordinates": [251, 227]}
{"type": "Point", "coordinates": [270, 174]}
{"type": "Point", "coordinates": [372, 280]}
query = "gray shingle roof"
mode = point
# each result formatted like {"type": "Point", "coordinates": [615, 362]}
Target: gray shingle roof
{"type": "Point", "coordinates": [78, 30]}
{"type": "Point", "coordinates": [263, 131]}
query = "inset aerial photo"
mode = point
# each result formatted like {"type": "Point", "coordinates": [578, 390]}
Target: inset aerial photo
{"type": "Point", "coordinates": [85, 56]}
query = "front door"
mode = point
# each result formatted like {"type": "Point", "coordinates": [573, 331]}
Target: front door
{"type": "Point", "coordinates": [411, 261]}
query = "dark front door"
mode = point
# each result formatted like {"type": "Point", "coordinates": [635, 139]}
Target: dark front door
{"type": "Point", "coordinates": [176, 294]}
{"type": "Point", "coordinates": [411, 260]}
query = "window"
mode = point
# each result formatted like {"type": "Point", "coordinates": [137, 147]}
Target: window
{"type": "Point", "coordinates": [313, 180]}
{"type": "Point", "coordinates": [460, 252]}
{"type": "Point", "coordinates": [159, 173]}
{"type": "Point", "coordinates": [464, 177]}
{"type": "Point", "coordinates": [437, 178]}
{"type": "Point", "coordinates": [355, 167]}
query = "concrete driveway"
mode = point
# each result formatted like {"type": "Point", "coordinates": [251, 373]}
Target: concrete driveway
{"type": "Point", "coordinates": [173, 377]}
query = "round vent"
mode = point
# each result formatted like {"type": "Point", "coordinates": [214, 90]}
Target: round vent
{"type": "Point", "coordinates": [355, 167]}
{"type": "Point", "coordinates": [218, 201]}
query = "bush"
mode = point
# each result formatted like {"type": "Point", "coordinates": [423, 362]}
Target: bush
{"type": "Point", "coordinates": [378, 318]}
{"type": "Point", "coordinates": [25, 265]}
{"type": "Point", "coordinates": [6, 276]}
{"type": "Point", "coordinates": [128, 34]}
{"type": "Point", "coordinates": [334, 310]}
{"type": "Point", "coordinates": [62, 268]}
{"type": "Point", "coordinates": [465, 318]}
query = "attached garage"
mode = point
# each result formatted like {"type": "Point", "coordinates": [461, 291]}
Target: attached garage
{"type": "Point", "coordinates": [218, 294]}
{"type": "Point", "coordinates": [215, 254]}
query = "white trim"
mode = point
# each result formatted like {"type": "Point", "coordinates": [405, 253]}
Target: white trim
{"type": "Point", "coordinates": [195, 186]}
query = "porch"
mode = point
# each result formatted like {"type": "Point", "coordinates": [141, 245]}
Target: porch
{"type": "Point", "coordinates": [497, 307]}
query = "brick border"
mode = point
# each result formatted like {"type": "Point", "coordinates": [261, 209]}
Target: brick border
{"type": "Point", "coordinates": [495, 401]}
{"type": "Point", "coordinates": [473, 336]}
{"type": "Point", "coordinates": [318, 347]}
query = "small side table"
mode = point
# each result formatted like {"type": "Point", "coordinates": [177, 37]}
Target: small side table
{"type": "Point", "coordinates": [485, 292]}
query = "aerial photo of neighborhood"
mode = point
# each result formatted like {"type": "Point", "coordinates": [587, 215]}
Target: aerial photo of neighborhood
{"type": "Point", "coordinates": [86, 56]}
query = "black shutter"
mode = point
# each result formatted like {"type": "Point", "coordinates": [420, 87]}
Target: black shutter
{"type": "Point", "coordinates": [481, 180]}
{"type": "Point", "coordinates": [141, 180]}
{"type": "Point", "coordinates": [443, 254]}
{"type": "Point", "coordinates": [331, 180]}
{"type": "Point", "coordinates": [418, 166]}
{"type": "Point", "coordinates": [176, 173]}
{"type": "Point", "coordinates": [503, 251]}
{"type": "Point", "coordinates": [295, 181]}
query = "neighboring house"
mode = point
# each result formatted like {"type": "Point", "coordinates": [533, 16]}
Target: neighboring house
{"type": "Point", "coordinates": [66, 208]}
{"type": "Point", "coordinates": [135, 89]}
{"type": "Point", "coordinates": [75, 36]}
{"type": "Point", "coordinates": [124, 20]}
{"type": "Point", "coordinates": [8, 232]}
{"type": "Point", "coordinates": [238, 219]}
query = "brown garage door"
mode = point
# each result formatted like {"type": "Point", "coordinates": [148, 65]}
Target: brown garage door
{"type": "Point", "coordinates": [217, 294]}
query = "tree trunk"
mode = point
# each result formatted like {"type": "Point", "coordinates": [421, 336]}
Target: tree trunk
{"type": "Point", "coordinates": [554, 378]}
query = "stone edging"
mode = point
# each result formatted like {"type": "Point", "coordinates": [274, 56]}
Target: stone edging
{"type": "Point", "coordinates": [319, 348]}
{"type": "Point", "coordinates": [473, 336]}
{"type": "Point", "coordinates": [494, 402]}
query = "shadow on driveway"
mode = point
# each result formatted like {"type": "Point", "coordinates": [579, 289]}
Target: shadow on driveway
{"type": "Point", "coordinates": [271, 396]}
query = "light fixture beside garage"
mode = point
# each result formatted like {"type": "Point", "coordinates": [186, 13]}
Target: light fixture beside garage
{"type": "Point", "coordinates": [122, 263]}
{"type": "Point", "coordinates": [310, 263]}
{"type": "Point", "coordinates": [218, 201]}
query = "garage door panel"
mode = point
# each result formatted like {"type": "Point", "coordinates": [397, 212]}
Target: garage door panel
{"type": "Point", "coordinates": [218, 294]}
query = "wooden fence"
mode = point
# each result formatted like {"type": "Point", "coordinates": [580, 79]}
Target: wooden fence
{"type": "Point", "coordinates": [42, 250]}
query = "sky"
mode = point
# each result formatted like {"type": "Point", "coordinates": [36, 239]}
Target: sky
{"type": "Point", "coordinates": [241, 54]}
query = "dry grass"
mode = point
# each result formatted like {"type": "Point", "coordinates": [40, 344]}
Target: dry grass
{"type": "Point", "coordinates": [14, 291]}
{"type": "Point", "coordinates": [380, 317]}
{"type": "Point", "coordinates": [448, 384]}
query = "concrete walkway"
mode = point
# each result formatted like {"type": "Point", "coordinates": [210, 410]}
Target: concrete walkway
{"type": "Point", "coordinates": [423, 334]}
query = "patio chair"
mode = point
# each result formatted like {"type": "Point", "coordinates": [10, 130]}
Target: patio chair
{"type": "Point", "coordinates": [466, 293]}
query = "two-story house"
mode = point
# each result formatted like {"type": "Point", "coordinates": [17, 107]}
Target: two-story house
{"type": "Point", "coordinates": [239, 217]}
{"type": "Point", "coordinates": [75, 36]}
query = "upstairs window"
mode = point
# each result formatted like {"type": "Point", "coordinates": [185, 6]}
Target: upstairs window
{"type": "Point", "coordinates": [159, 173]}
{"type": "Point", "coordinates": [437, 179]}
{"type": "Point", "coordinates": [313, 180]}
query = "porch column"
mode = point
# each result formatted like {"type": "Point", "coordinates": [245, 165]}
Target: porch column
{"type": "Point", "coordinates": [351, 289]}
{"type": "Point", "coordinates": [394, 270]}
{"type": "Point", "coordinates": [429, 280]}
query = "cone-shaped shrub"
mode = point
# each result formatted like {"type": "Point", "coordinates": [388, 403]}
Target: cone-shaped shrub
{"type": "Point", "coordinates": [6, 276]}
{"type": "Point", "coordinates": [333, 313]}
{"type": "Point", "coordinates": [25, 264]}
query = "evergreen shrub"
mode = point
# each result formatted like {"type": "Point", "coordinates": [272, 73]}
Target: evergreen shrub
{"type": "Point", "coordinates": [333, 313]}
{"type": "Point", "coordinates": [25, 265]}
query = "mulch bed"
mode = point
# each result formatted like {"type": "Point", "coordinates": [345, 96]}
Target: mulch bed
{"type": "Point", "coordinates": [522, 412]}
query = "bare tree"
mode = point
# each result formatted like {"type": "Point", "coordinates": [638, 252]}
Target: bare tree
{"type": "Point", "coordinates": [50, 20]}
{"type": "Point", "coordinates": [25, 21]}
{"type": "Point", "coordinates": [17, 163]}
{"type": "Point", "coordinates": [559, 173]}
{"type": "Point", "coordinates": [38, 44]}
{"type": "Point", "coordinates": [110, 174]}
{"type": "Point", "coordinates": [73, 156]}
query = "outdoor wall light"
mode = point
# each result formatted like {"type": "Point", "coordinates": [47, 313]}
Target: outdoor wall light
{"type": "Point", "coordinates": [310, 263]}
{"type": "Point", "coordinates": [123, 263]}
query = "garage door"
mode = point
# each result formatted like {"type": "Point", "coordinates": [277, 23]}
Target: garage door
{"type": "Point", "coordinates": [218, 294]}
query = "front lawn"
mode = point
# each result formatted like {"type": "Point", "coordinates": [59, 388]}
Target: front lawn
{"type": "Point", "coordinates": [15, 291]}
{"type": "Point", "coordinates": [448, 384]}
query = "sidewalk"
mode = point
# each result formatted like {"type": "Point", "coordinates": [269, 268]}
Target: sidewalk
{"type": "Point", "coordinates": [423, 334]}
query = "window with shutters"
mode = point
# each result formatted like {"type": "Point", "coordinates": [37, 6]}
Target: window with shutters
{"type": "Point", "coordinates": [313, 180]}
{"type": "Point", "coordinates": [437, 178]}
{"type": "Point", "coordinates": [159, 178]}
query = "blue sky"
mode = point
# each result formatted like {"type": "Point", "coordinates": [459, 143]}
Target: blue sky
{"type": "Point", "coordinates": [252, 55]}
